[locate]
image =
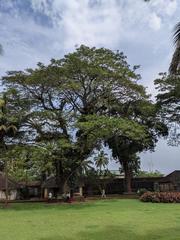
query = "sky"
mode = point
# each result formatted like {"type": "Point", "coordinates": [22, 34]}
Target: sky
{"type": "Point", "coordinates": [37, 30]}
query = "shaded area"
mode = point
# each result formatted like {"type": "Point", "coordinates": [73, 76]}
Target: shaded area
{"type": "Point", "coordinates": [117, 233]}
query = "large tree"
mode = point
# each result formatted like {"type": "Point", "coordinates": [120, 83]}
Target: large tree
{"type": "Point", "coordinates": [77, 103]}
{"type": "Point", "coordinates": [129, 136]}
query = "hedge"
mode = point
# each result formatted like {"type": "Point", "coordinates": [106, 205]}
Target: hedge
{"type": "Point", "coordinates": [161, 197]}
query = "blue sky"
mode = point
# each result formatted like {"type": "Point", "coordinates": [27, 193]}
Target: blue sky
{"type": "Point", "coordinates": [38, 30]}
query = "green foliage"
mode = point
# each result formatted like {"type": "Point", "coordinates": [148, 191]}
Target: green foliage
{"type": "Point", "coordinates": [168, 99]}
{"type": "Point", "coordinates": [21, 166]}
{"type": "Point", "coordinates": [8, 122]}
{"type": "Point", "coordinates": [169, 96]}
{"type": "Point", "coordinates": [155, 173]}
{"type": "Point", "coordinates": [103, 127]}
{"type": "Point", "coordinates": [76, 104]}
{"type": "Point", "coordinates": [99, 177]}
{"type": "Point", "coordinates": [101, 160]}
{"type": "Point", "coordinates": [174, 65]}
{"type": "Point", "coordinates": [168, 102]}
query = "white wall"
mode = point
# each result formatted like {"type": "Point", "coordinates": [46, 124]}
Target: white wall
{"type": "Point", "coordinates": [12, 195]}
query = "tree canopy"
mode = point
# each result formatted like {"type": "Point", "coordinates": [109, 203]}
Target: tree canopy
{"type": "Point", "coordinates": [76, 104]}
{"type": "Point", "coordinates": [168, 98]}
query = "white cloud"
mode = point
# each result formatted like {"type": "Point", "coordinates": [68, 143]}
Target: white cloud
{"type": "Point", "coordinates": [165, 7]}
{"type": "Point", "coordinates": [133, 26]}
{"type": "Point", "coordinates": [104, 22]}
{"type": "Point", "coordinates": [155, 22]}
{"type": "Point", "coordinates": [81, 23]}
{"type": "Point", "coordinates": [142, 30]}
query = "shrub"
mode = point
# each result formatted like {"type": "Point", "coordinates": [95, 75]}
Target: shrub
{"type": "Point", "coordinates": [158, 197]}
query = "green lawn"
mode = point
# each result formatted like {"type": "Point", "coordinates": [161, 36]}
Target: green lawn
{"type": "Point", "coordinates": [106, 220]}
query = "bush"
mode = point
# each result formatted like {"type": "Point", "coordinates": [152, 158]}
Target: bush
{"type": "Point", "coordinates": [158, 197]}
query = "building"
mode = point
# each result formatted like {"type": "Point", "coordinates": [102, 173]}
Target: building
{"type": "Point", "coordinates": [116, 185]}
{"type": "Point", "coordinates": [30, 190]}
{"type": "Point", "coordinates": [49, 186]}
{"type": "Point", "coordinates": [86, 187]}
{"type": "Point", "coordinates": [171, 182]}
{"type": "Point", "coordinates": [13, 188]}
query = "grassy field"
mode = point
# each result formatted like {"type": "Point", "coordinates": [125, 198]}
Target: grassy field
{"type": "Point", "coordinates": [99, 220]}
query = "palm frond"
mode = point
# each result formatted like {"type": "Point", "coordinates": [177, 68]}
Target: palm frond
{"type": "Point", "coordinates": [176, 34]}
{"type": "Point", "coordinates": [176, 56]}
{"type": "Point", "coordinates": [1, 50]}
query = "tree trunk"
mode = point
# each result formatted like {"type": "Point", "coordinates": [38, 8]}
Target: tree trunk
{"type": "Point", "coordinates": [128, 178]}
{"type": "Point", "coordinates": [128, 183]}
{"type": "Point", "coordinates": [6, 184]}
{"type": "Point", "coordinates": [65, 187]}
{"type": "Point", "coordinates": [59, 177]}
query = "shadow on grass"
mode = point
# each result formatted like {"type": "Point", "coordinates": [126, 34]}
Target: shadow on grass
{"type": "Point", "coordinates": [120, 233]}
{"type": "Point", "coordinates": [57, 206]}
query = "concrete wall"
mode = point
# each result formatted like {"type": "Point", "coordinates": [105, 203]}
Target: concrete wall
{"type": "Point", "coordinates": [12, 195]}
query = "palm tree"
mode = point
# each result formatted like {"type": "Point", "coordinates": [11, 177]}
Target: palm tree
{"type": "Point", "coordinates": [175, 62]}
{"type": "Point", "coordinates": [101, 161]}
{"type": "Point", "coordinates": [1, 49]}
{"type": "Point", "coordinates": [85, 166]}
{"type": "Point", "coordinates": [6, 130]}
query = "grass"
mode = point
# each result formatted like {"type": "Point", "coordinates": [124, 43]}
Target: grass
{"type": "Point", "coordinates": [98, 220]}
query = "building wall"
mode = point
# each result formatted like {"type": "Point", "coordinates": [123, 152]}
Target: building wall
{"type": "Point", "coordinates": [117, 186]}
{"type": "Point", "coordinates": [12, 195]}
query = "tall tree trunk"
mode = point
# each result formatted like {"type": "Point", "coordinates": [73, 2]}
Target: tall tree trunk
{"type": "Point", "coordinates": [128, 177]}
{"type": "Point", "coordinates": [6, 184]}
{"type": "Point", "coordinates": [59, 176]}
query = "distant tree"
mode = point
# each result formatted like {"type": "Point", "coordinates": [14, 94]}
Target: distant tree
{"type": "Point", "coordinates": [100, 176]}
{"type": "Point", "coordinates": [155, 173]}
{"type": "Point", "coordinates": [23, 163]}
{"type": "Point", "coordinates": [101, 160]}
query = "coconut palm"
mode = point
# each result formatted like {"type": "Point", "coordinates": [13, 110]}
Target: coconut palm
{"type": "Point", "coordinates": [101, 161]}
{"type": "Point", "coordinates": [175, 62]}
{"type": "Point", "coordinates": [1, 49]}
{"type": "Point", "coordinates": [6, 130]}
{"type": "Point", "coordinates": [6, 127]}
